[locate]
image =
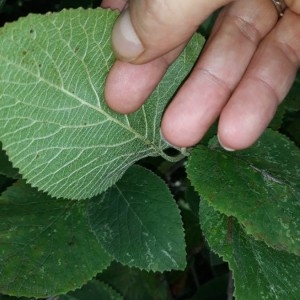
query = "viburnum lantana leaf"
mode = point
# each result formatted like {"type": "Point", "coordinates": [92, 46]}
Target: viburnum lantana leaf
{"type": "Point", "coordinates": [135, 284]}
{"type": "Point", "coordinates": [259, 186]}
{"type": "Point", "coordinates": [54, 123]}
{"type": "Point", "coordinates": [93, 290]}
{"type": "Point", "coordinates": [47, 247]}
{"type": "Point", "coordinates": [259, 271]}
{"type": "Point", "coordinates": [138, 223]}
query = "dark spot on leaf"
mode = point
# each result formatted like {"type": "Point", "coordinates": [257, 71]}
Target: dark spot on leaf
{"type": "Point", "coordinates": [31, 31]}
{"type": "Point", "coordinates": [24, 52]}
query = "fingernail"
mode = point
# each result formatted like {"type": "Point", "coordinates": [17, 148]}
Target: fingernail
{"type": "Point", "coordinates": [224, 147]}
{"type": "Point", "coordinates": [126, 44]}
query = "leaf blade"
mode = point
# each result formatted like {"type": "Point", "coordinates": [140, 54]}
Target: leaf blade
{"type": "Point", "coordinates": [54, 123]}
{"type": "Point", "coordinates": [138, 222]}
{"type": "Point", "coordinates": [258, 186]}
{"type": "Point", "coordinates": [40, 237]}
{"type": "Point", "coordinates": [259, 271]}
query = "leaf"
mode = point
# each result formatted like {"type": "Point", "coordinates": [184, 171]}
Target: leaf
{"type": "Point", "coordinates": [93, 290]}
{"type": "Point", "coordinates": [46, 246]}
{"type": "Point", "coordinates": [138, 223]}
{"type": "Point", "coordinates": [259, 186]}
{"type": "Point", "coordinates": [135, 284]}
{"type": "Point", "coordinates": [260, 272]}
{"type": "Point", "coordinates": [54, 123]}
{"type": "Point", "coordinates": [189, 210]}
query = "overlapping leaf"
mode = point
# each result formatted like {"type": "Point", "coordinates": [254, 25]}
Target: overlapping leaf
{"type": "Point", "coordinates": [135, 284]}
{"type": "Point", "coordinates": [93, 290]}
{"type": "Point", "coordinates": [54, 122]}
{"type": "Point", "coordinates": [46, 245]}
{"type": "Point", "coordinates": [260, 272]}
{"type": "Point", "coordinates": [138, 222]}
{"type": "Point", "coordinates": [259, 186]}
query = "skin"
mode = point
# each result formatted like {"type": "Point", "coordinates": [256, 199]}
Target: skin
{"type": "Point", "coordinates": [246, 69]}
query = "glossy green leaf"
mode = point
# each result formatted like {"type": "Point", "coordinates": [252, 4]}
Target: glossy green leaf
{"type": "Point", "coordinates": [260, 272]}
{"type": "Point", "coordinates": [135, 284]}
{"type": "Point", "coordinates": [93, 290]}
{"type": "Point", "coordinates": [54, 122]}
{"type": "Point", "coordinates": [46, 245]}
{"type": "Point", "coordinates": [259, 186]}
{"type": "Point", "coordinates": [189, 208]}
{"type": "Point", "coordinates": [138, 223]}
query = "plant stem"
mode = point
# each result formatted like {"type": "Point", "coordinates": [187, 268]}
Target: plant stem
{"type": "Point", "coordinates": [183, 154]}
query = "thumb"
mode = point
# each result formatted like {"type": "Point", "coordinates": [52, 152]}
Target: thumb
{"type": "Point", "coordinates": [147, 29]}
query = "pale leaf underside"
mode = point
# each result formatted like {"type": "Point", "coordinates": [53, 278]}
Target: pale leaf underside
{"type": "Point", "coordinates": [54, 123]}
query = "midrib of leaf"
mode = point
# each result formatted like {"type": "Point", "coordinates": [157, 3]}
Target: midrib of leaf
{"type": "Point", "coordinates": [68, 54]}
{"type": "Point", "coordinates": [87, 104]}
{"type": "Point", "coordinates": [97, 109]}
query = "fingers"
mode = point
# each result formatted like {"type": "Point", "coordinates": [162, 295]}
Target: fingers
{"type": "Point", "coordinates": [264, 85]}
{"type": "Point", "coordinates": [128, 86]}
{"type": "Point", "coordinates": [151, 28]}
{"type": "Point", "coordinates": [235, 37]}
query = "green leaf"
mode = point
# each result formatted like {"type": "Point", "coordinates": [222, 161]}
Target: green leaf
{"type": "Point", "coordinates": [46, 245]}
{"type": "Point", "coordinates": [54, 123]}
{"type": "Point", "coordinates": [135, 284]}
{"type": "Point", "coordinates": [259, 186]}
{"type": "Point", "coordinates": [190, 216]}
{"type": "Point", "coordinates": [260, 272]}
{"type": "Point", "coordinates": [138, 222]}
{"type": "Point", "coordinates": [93, 290]}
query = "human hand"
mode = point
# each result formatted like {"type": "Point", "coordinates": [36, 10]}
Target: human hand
{"type": "Point", "coordinates": [246, 69]}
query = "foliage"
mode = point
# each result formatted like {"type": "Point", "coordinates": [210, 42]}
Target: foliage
{"type": "Point", "coordinates": [94, 199]}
